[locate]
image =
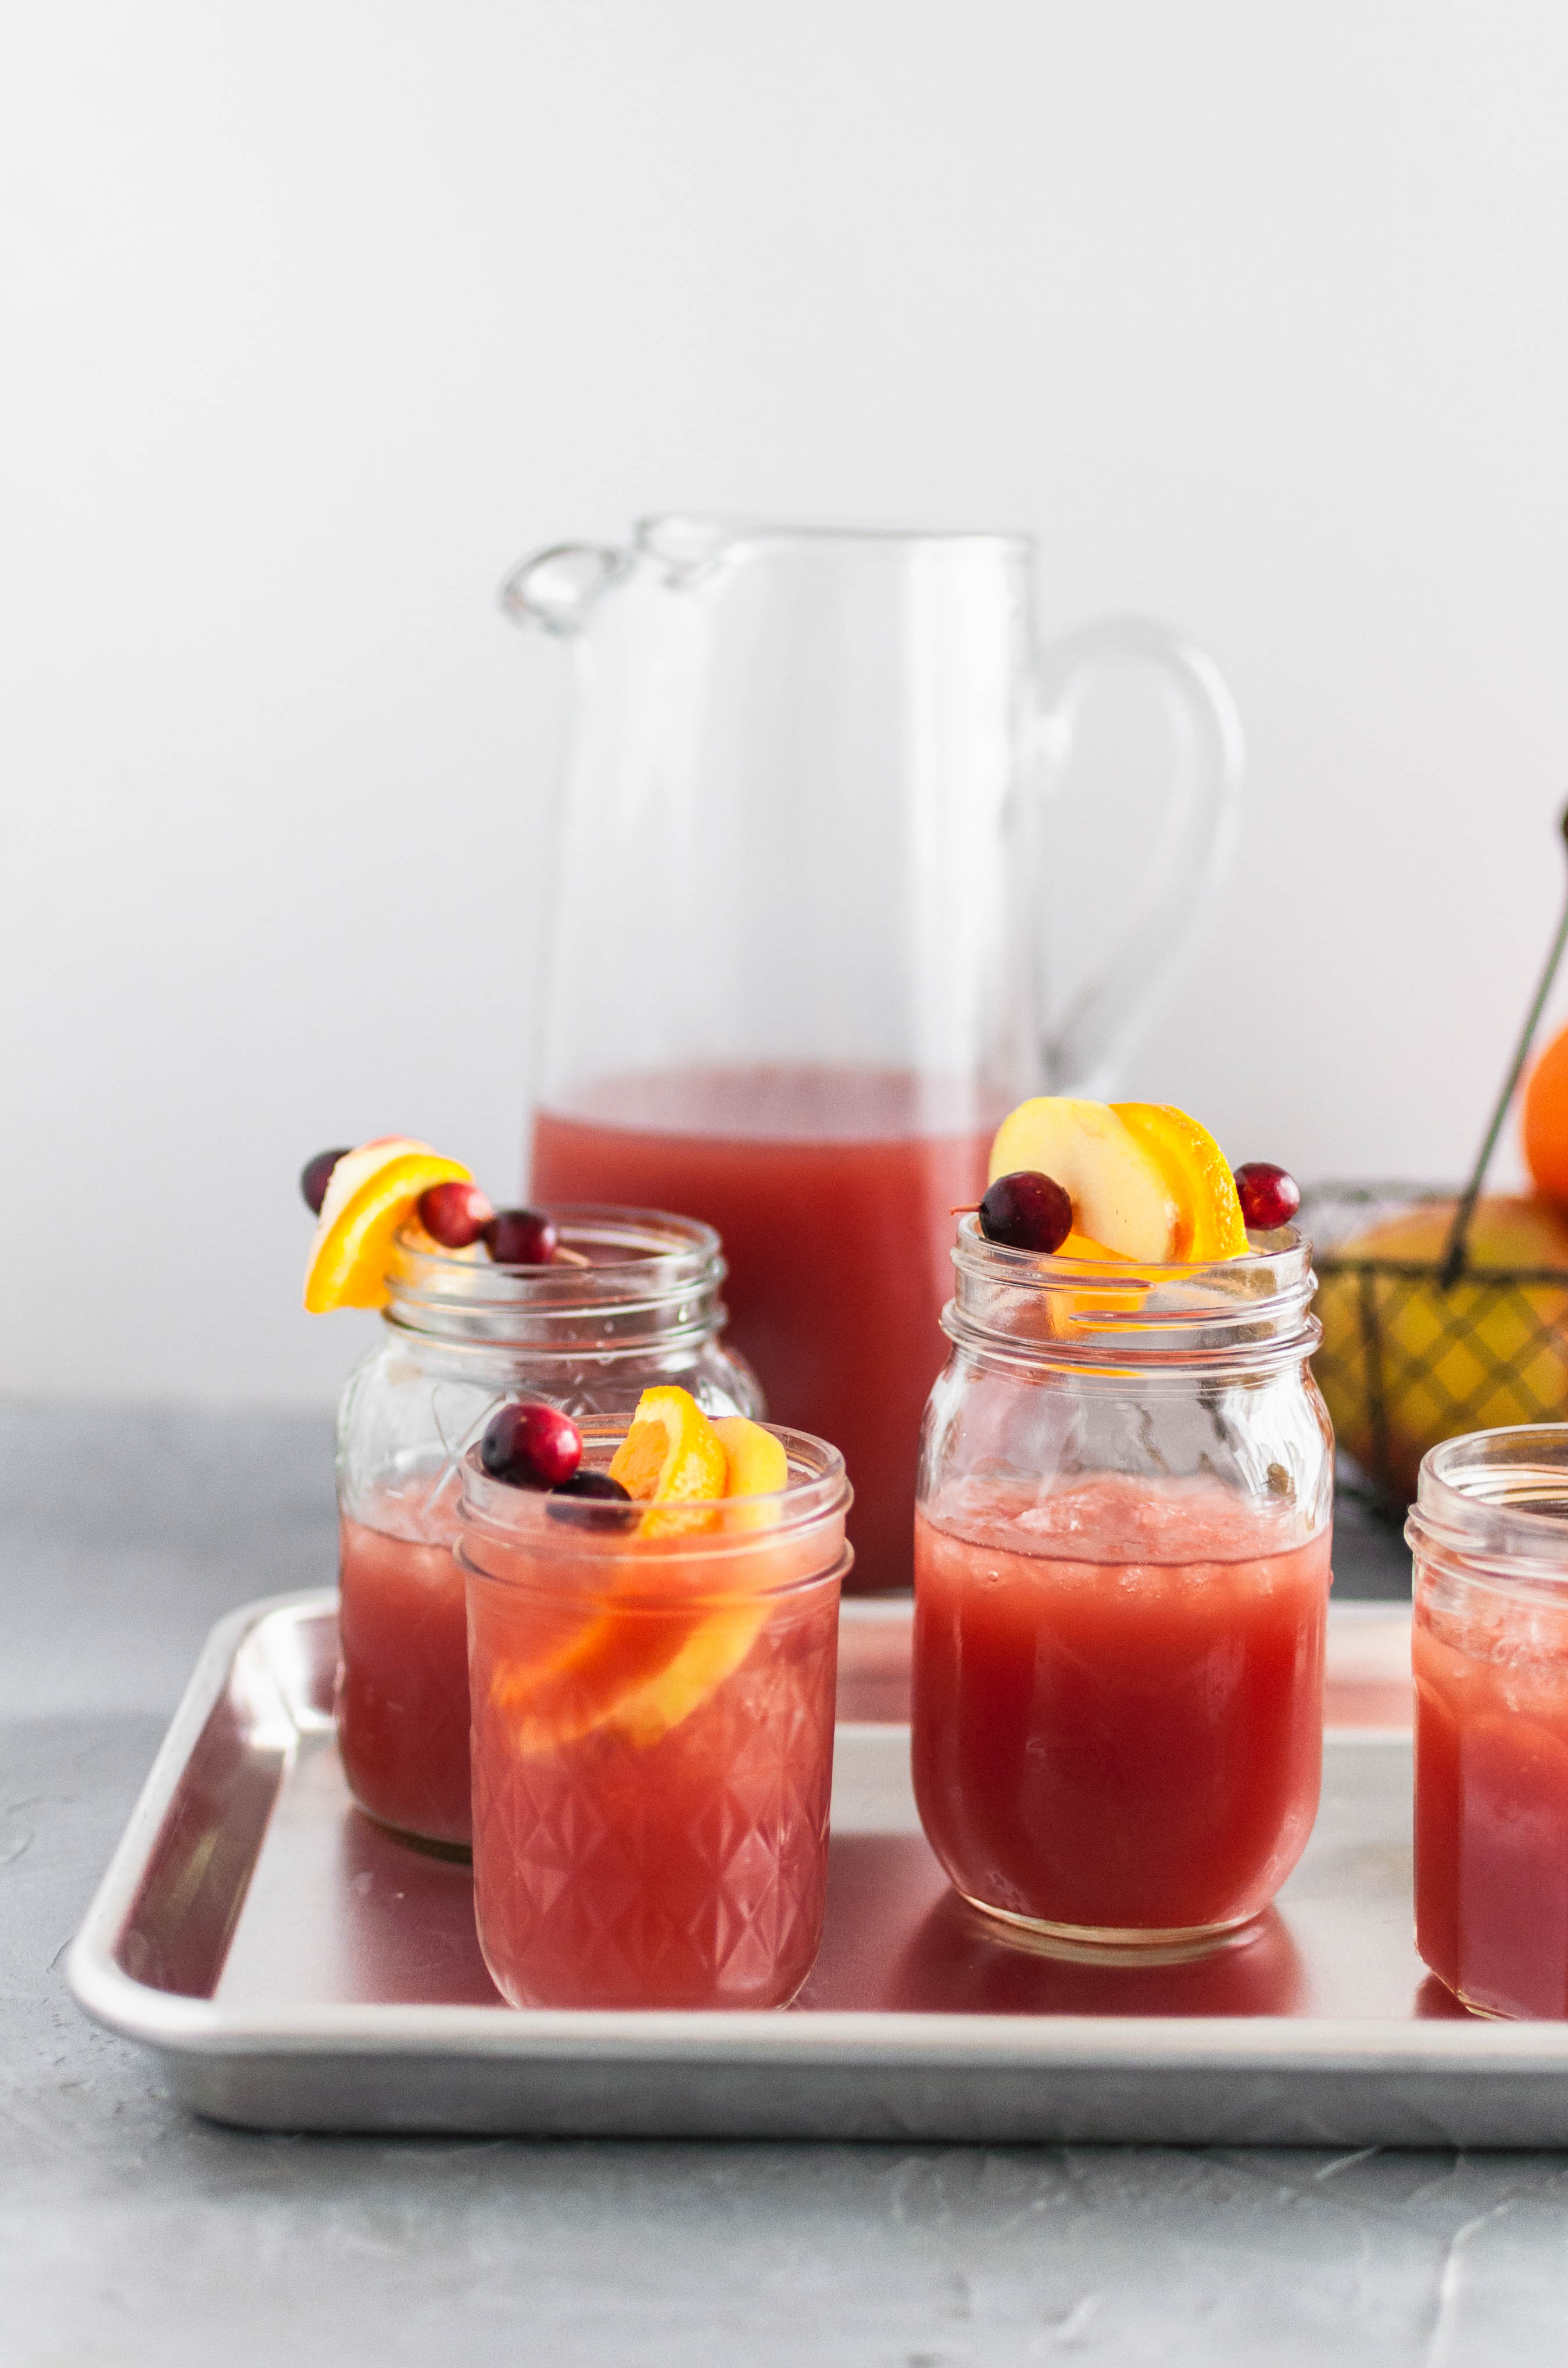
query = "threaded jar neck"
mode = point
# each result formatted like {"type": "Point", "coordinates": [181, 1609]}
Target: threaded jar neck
{"type": "Point", "coordinates": [779, 1540]}
{"type": "Point", "coordinates": [650, 1286]}
{"type": "Point", "coordinates": [1241, 1316]}
{"type": "Point", "coordinates": [1494, 1506]}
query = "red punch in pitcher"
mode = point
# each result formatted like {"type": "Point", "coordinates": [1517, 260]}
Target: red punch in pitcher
{"type": "Point", "coordinates": [802, 870]}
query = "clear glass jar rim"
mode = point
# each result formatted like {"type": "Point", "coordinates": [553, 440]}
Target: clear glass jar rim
{"type": "Point", "coordinates": [1497, 1500]}
{"type": "Point", "coordinates": [818, 1491]}
{"type": "Point", "coordinates": [665, 1259]}
{"type": "Point", "coordinates": [662, 1238]}
{"type": "Point", "coordinates": [1246, 1312]}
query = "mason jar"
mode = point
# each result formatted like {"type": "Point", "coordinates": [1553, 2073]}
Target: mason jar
{"type": "Point", "coordinates": [1489, 1650]}
{"type": "Point", "coordinates": [1121, 1584]}
{"type": "Point", "coordinates": [652, 1735]}
{"type": "Point", "coordinates": [635, 1301]}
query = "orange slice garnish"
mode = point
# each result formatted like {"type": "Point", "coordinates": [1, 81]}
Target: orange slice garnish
{"type": "Point", "coordinates": [374, 1192]}
{"type": "Point", "coordinates": [1200, 1177]}
{"type": "Point", "coordinates": [671, 1455]}
{"type": "Point", "coordinates": [641, 1670]}
{"type": "Point", "coordinates": [756, 1464]}
{"type": "Point", "coordinates": [1083, 1246]}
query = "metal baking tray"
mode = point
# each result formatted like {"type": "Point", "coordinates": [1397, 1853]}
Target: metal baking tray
{"type": "Point", "coordinates": [296, 1967]}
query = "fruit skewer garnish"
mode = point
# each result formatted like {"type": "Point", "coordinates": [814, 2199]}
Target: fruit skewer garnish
{"type": "Point", "coordinates": [361, 1198]}
{"type": "Point", "coordinates": [456, 1215]}
{"type": "Point", "coordinates": [1125, 1181]}
{"type": "Point", "coordinates": [635, 1676]}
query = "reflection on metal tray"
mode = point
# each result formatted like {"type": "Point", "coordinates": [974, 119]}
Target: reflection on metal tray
{"type": "Point", "coordinates": [296, 1967]}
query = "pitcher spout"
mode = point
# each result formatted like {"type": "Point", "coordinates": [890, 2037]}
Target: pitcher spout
{"type": "Point", "coordinates": [557, 590]}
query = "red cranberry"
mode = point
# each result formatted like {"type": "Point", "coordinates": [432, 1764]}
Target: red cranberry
{"type": "Point", "coordinates": [316, 1175]}
{"type": "Point", "coordinates": [1026, 1211]}
{"type": "Point", "coordinates": [609, 1500]}
{"type": "Point", "coordinates": [586, 1481]}
{"type": "Point", "coordinates": [531, 1446]}
{"type": "Point", "coordinates": [1270, 1196]}
{"type": "Point", "coordinates": [520, 1237]}
{"type": "Point", "coordinates": [455, 1215]}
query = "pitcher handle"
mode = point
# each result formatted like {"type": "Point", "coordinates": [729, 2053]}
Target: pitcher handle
{"type": "Point", "coordinates": [1191, 850]}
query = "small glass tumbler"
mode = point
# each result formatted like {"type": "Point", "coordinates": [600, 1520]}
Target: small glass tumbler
{"type": "Point", "coordinates": [652, 1693]}
{"type": "Point", "coordinates": [1489, 1647]}
{"type": "Point", "coordinates": [1121, 1576]}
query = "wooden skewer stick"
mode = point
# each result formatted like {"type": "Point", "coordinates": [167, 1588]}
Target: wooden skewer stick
{"type": "Point", "coordinates": [1453, 1255]}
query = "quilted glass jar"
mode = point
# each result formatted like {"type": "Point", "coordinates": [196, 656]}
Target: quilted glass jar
{"type": "Point", "coordinates": [653, 1736]}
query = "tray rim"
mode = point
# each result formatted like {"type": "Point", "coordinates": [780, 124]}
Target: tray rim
{"type": "Point", "coordinates": [178, 2025]}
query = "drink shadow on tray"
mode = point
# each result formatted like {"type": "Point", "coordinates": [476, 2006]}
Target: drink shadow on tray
{"type": "Point", "coordinates": [799, 873]}
{"type": "Point", "coordinates": [898, 1940]}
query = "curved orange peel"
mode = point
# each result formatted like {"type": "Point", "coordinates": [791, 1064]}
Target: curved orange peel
{"type": "Point", "coordinates": [1211, 1226]}
{"type": "Point", "coordinates": [641, 1671]}
{"type": "Point", "coordinates": [672, 1456]}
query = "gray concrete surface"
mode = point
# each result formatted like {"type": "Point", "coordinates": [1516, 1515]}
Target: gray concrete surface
{"type": "Point", "coordinates": [131, 2232]}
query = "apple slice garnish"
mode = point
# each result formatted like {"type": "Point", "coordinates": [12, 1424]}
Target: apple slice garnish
{"type": "Point", "coordinates": [1120, 1195]}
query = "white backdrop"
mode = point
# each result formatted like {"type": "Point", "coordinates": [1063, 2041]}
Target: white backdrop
{"type": "Point", "coordinates": [319, 315]}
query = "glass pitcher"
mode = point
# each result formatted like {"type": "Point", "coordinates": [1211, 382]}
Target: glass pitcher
{"type": "Point", "coordinates": [795, 974]}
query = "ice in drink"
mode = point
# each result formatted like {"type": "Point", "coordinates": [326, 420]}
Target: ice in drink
{"type": "Point", "coordinates": [653, 1741]}
{"type": "Point", "coordinates": [832, 1191]}
{"type": "Point", "coordinates": [1118, 1703]}
{"type": "Point", "coordinates": [402, 1702]}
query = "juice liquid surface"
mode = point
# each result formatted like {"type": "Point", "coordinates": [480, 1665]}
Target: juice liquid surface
{"type": "Point", "coordinates": [1118, 1699]}
{"type": "Point", "coordinates": [1492, 1799]}
{"type": "Point", "coordinates": [832, 1191]}
{"type": "Point", "coordinates": [648, 1834]}
{"type": "Point", "coordinates": [402, 1702]}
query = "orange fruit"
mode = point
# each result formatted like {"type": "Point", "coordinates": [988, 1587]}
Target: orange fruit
{"type": "Point", "coordinates": [373, 1193]}
{"type": "Point", "coordinates": [1545, 1120]}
